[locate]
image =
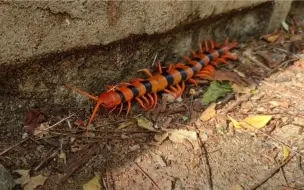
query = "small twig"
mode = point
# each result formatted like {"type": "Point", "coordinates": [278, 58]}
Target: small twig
{"type": "Point", "coordinates": [274, 171]}
{"type": "Point", "coordinates": [249, 56]}
{"type": "Point", "coordinates": [28, 137]}
{"type": "Point", "coordinates": [154, 60]}
{"type": "Point", "coordinates": [237, 102]}
{"type": "Point", "coordinates": [143, 172]}
{"type": "Point", "coordinates": [283, 174]}
{"type": "Point", "coordinates": [280, 66]}
{"type": "Point", "coordinates": [208, 166]}
{"type": "Point", "coordinates": [53, 155]}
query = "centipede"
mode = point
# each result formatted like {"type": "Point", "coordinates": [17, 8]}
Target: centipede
{"type": "Point", "coordinates": [201, 64]}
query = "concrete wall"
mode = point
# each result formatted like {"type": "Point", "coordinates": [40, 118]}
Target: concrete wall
{"type": "Point", "coordinates": [32, 29]}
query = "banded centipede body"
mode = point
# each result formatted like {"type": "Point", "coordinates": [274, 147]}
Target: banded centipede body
{"type": "Point", "coordinates": [171, 81]}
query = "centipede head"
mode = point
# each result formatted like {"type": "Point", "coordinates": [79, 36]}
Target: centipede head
{"type": "Point", "coordinates": [106, 100]}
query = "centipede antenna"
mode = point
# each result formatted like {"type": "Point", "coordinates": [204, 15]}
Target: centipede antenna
{"type": "Point", "coordinates": [82, 92]}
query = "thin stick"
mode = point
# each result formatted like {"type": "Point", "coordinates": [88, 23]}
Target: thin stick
{"type": "Point", "coordinates": [147, 176]}
{"type": "Point", "coordinates": [28, 137]}
{"type": "Point", "coordinates": [249, 56]}
{"type": "Point", "coordinates": [274, 171]}
{"type": "Point", "coordinates": [283, 174]}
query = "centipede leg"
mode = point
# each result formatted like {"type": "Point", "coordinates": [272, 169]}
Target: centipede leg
{"type": "Point", "coordinates": [93, 115]}
{"type": "Point", "coordinates": [136, 80]}
{"type": "Point", "coordinates": [146, 71]}
{"type": "Point", "coordinates": [146, 100]}
{"type": "Point", "coordinates": [183, 87]}
{"type": "Point", "coordinates": [193, 53]}
{"type": "Point", "coordinates": [226, 41]}
{"type": "Point", "coordinates": [206, 46]}
{"type": "Point", "coordinates": [187, 58]}
{"type": "Point", "coordinates": [201, 48]}
{"type": "Point", "coordinates": [169, 92]}
{"type": "Point", "coordinates": [112, 109]}
{"type": "Point", "coordinates": [229, 56]}
{"type": "Point", "coordinates": [129, 107]}
{"type": "Point", "coordinates": [192, 81]}
{"type": "Point", "coordinates": [179, 91]}
{"type": "Point", "coordinates": [141, 103]}
{"type": "Point", "coordinates": [222, 60]}
{"type": "Point", "coordinates": [160, 70]}
{"type": "Point", "coordinates": [120, 110]}
{"type": "Point", "coordinates": [212, 44]}
{"type": "Point", "coordinates": [214, 63]}
{"type": "Point", "coordinates": [152, 100]}
{"type": "Point", "coordinates": [155, 99]}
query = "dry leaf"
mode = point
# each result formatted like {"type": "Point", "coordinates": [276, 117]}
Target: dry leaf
{"type": "Point", "coordinates": [242, 89]}
{"type": "Point", "coordinates": [180, 135]}
{"type": "Point", "coordinates": [273, 37]}
{"type": "Point", "coordinates": [93, 184]}
{"type": "Point", "coordinates": [235, 123]}
{"type": "Point", "coordinates": [229, 76]}
{"type": "Point", "coordinates": [127, 123]}
{"type": "Point", "coordinates": [237, 187]}
{"type": "Point", "coordinates": [209, 112]}
{"type": "Point", "coordinates": [160, 137]}
{"type": "Point", "coordinates": [145, 123]}
{"type": "Point", "coordinates": [286, 152]}
{"type": "Point", "coordinates": [258, 121]}
{"type": "Point", "coordinates": [25, 177]}
{"type": "Point", "coordinates": [35, 182]}
{"type": "Point", "coordinates": [32, 120]}
{"type": "Point", "coordinates": [41, 130]}
{"type": "Point", "coordinates": [299, 63]}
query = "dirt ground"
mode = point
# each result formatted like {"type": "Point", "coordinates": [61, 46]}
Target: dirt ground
{"type": "Point", "coordinates": [175, 146]}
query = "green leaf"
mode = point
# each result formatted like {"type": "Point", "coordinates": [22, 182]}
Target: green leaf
{"type": "Point", "coordinates": [216, 90]}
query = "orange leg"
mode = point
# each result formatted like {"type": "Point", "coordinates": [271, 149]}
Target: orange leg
{"type": "Point", "coordinates": [206, 46]}
{"type": "Point", "coordinates": [222, 60]}
{"type": "Point", "coordinates": [201, 48]}
{"type": "Point", "coordinates": [229, 56]}
{"type": "Point", "coordinates": [93, 115]}
{"type": "Point", "coordinates": [155, 98]}
{"type": "Point", "coordinates": [214, 63]}
{"type": "Point", "coordinates": [169, 92]}
{"type": "Point", "coordinates": [82, 92]}
{"type": "Point", "coordinates": [160, 70]}
{"type": "Point", "coordinates": [112, 109]}
{"type": "Point", "coordinates": [146, 100]}
{"type": "Point", "coordinates": [152, 100]}
{"type": "Point", "coordinates": [208, 68]}
{"type": "Point", "coordinates": [136, 80]}
{"type": "Point", "coordinates": [193, 82]}
{"type": "Point", "coordinates": [141, 103]}
{"type": "Point", "coordinates": [120, 110]}
{"type": "Point", "coordinates": [212, 44]}
{"type": "Point", "coordinates": [146, 71]}
{"type": "Point", "coordinates": [187, 58]}
{"type": "Point", "coordinates": [183, 87]}
{"type": "Point", "coordinates": [129, 107]}
{"type": "Point", "coordinates": [173, 89]}
{"type": "Point", "coordinates": [124, 84]}
{"type": "Point", "coordinates": [170, 67]}
{"type": "Point", "coordinates": [226, 41]}
{"type": "Point", "coordinates": [179, 91]}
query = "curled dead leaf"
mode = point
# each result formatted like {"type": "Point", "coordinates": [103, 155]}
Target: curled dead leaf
{"type": "Point", "coordinates": [209, 112]}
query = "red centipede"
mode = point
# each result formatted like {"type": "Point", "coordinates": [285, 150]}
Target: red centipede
{"type": "Point", "coordinates": [171, 81]}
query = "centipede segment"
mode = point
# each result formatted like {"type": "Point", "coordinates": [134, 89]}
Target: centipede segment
{"type": "Point", "coordinates": [172, 81]}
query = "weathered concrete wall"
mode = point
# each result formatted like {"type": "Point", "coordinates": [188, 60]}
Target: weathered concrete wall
{"type": "Point", "coordinates": [34, 28]}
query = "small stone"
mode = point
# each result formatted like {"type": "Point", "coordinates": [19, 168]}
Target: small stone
{"type": "Point", "coordinates": [298, 121]}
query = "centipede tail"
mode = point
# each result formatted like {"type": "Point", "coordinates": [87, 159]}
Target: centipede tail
{"type": "Point", "coordinates": [201, 64]}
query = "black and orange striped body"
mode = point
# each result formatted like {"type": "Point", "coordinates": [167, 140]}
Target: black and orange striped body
{"type": "Point", "coordinates": [172, 81]}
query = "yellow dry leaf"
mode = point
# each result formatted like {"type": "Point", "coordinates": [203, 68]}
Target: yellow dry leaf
{"type": "Point", "coordinates": [35, 182]}
{"type": "Point", "coordinates": [62, 156]}
{"type": "Point", "coordinates": [257, 122]}
{"type": "Point", "coordinates": [127, 123]}
{"type": "Point", "coordinates": [235, 123]}
{"type": "Point", "coordinates": [93, 184]}
{"type": "Point", "coordinates": [25, 177]}
{"type": "Point", "coordinates": [237, 187]}
{"type": "Point", "coordinates": [243, 89]}
{"type": "Point", "coordinates": [208, 113]}
{"type": "Point", "coordinates": [286, 152]}
{"type": "Point", "coordinates": [145, 123]}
